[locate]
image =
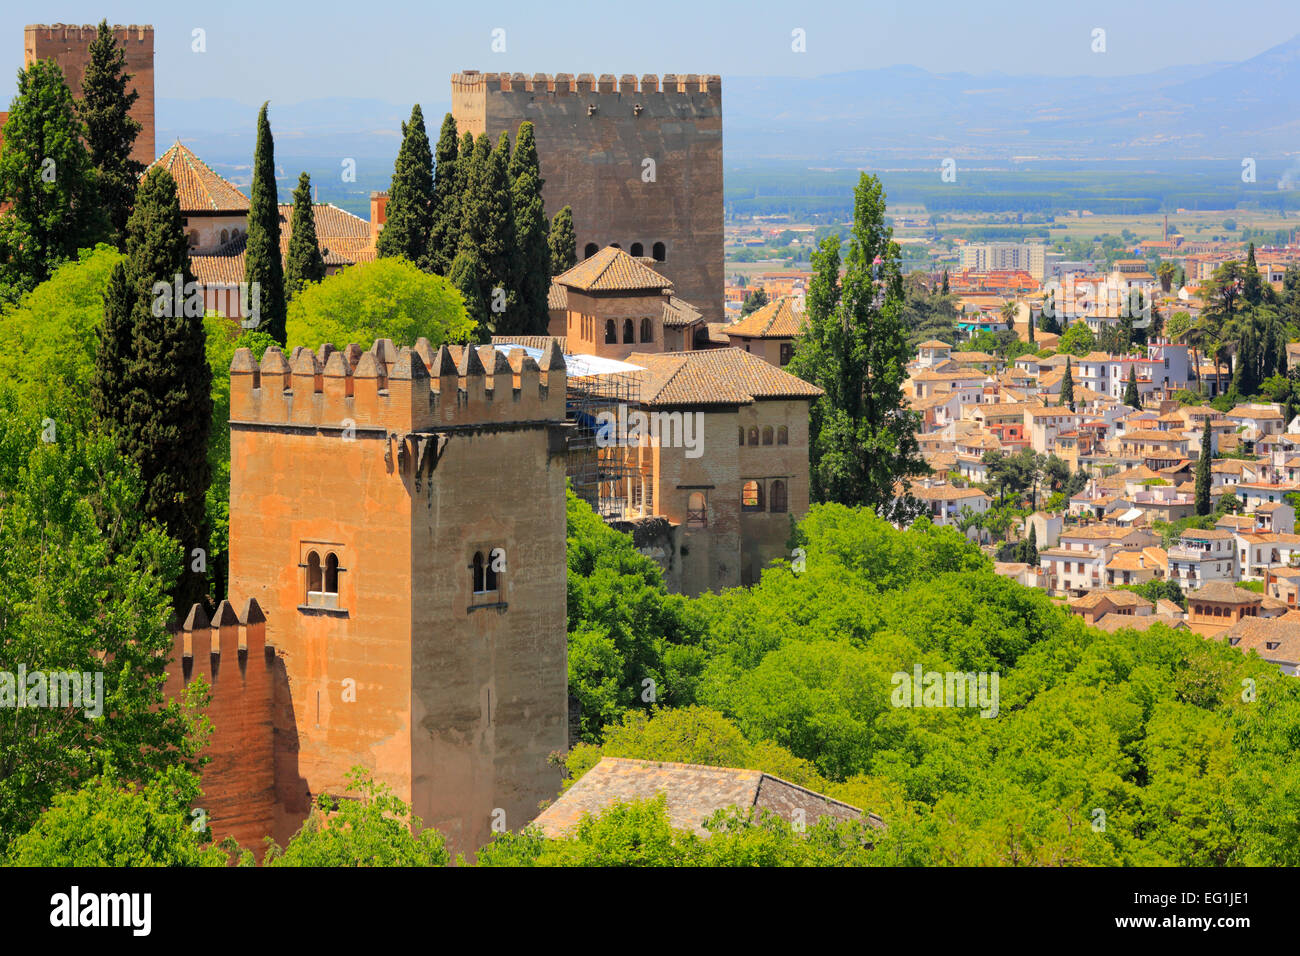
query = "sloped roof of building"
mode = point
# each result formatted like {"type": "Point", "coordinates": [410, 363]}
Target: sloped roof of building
{"type": "Point", "coordinates": [1139, 622]}
{"type": "Point", "coordinates": [780, 319]}
{"type": "Point", "coordinates": [678, 313]}
{"type": "Point", "coordinates": [692, 793]}
{"type": "Point", "coordinates": [613, 270]}
{"type": "Point", "coordinates": [198, 188]}
{"type": "Point", "coordinates": [540, 342]}
{"type": "Point", "coordinates": [1224, 592]}
{"type": "Point", "coordinates": [1273, 638]}
{"type": "Point", "coordinates": [729, 376]}
{"type": "Point", "coordinates": [934, 344]}
{"type": "Point", "coordinates": [557, 297]}
{"type": "Point", "coordinates": [343, 239]}
{"type": "Point", "coordinates": [945, 492]}
{"type": "Point", "coordinates": [1094, 599]}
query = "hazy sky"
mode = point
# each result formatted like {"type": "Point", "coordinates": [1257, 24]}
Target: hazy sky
{"type": "Point", "coordinates": [404, 51]}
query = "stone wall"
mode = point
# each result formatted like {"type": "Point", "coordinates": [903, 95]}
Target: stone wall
{"type": "Point", "coordinates": [69, 46]}
{"type": "Point", "coordinates": [594, 136]}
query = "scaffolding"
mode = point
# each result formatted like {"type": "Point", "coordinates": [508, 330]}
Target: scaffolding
{"type": "Point", "coordinates": [603, 468]}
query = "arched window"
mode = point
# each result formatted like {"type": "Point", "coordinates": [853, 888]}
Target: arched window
{"type": "Point", "coordinates": [751, 497]}
{"type": "Point", "coordinates": [647, 333]}
{"type": "Point", "coordinates": [616, 245]}
{"type": "Point", "coordinates": [753, 435]}
{"type": "Point", "coordinates": [628, 330]}
{"type": "Point", "coordinates": [742, 436]}
{"type": "Point", "coordinates": [479, 568]}
{"type": "Point", "coordinates": [637, 249]}
{"type": "Point", "coordinates": [331, 573]}
{"type": "Point", "coordinates": [611, 336]}
{"type": "Point", "coordinates": [779, 502]}
{"type": "Point", "coordinates": [225, 236]}
{"type": "Point", "coordinates": [767, 434]}
{"type": "Point", "coordinates": [490, 582]}
{"type": "Point", "coordinates": [783, 436]}
{"type": "Point", "coordinates": [314, 579]}
{"type": "Point", "coordinates": [589, 250]}
{"type": "Point", "coordinates": [659, 252]}
{"type": "Point", "coordinates": [697, 513]}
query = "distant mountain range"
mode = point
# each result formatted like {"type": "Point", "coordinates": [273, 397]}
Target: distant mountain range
{"type": "Point", "coordinates": [870, 117]}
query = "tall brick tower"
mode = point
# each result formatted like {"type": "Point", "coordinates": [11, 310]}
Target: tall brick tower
{"type": "Point", "coordinates": [639, 161]}
{"type": "Point", "coordinates": [69, 46]}
{"type": "Point", "coordinates": [400, 517]}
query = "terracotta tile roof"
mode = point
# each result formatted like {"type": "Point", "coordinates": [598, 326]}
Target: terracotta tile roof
{"type": "Point", "coordinates": [729, 376]}
{"type": "Point", "coordinates": [718, 333]}
{"type": "Point", "coordinates": [945, 492]}
{"type": "Point", "coordinates": [542, 342]}
{"type": "Point", "coordinates": [613, 270]}
{"type": "Point", "coordinates": [1223, 592]}
{"type": "Point", "coordinates": [678, 313]}
{"type": "Point", "coordinates": [692, 793]}
{"type": "Point", "coordinates": [344, 240]}
{"type": "Point", "coordinates": [781, 319]}
{"type": "Point", "coordinates": [1275, 639]}
{"type": "Point", "coordinates": [1139, 622]}
{"type": "Point", "coordinates": [557, 297]}
{"type": "Point", "coordinates": [1117, 598]}
{"type": "Point", "coordinates": [198, 187]}
{"type": "Point", "coordinates": [934, 344]}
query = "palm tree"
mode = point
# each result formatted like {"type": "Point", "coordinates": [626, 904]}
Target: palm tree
{"type": "Point", "coordinates": [1165, 273]}
{"type": "Point", "coordinates": [1195, 336]}
{"type": "Point", "coordinates": [1221, 350]}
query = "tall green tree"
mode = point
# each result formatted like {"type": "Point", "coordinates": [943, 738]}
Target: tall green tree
{"type": "Point", "coordinates": [47, 179]}
{"type": "Point", "coordinates": [110, 129]}
{"type": "Point", "coordinates": [564, 242]}
{"type": "Point", "coordinates": [1067, 387]}
{"type": "Point", "coordinates": [862, 438]}
{"type": "Point", "coordinates": [156, 394]}
{"type": "Point", "coordinates": [444, 226]}
{"type": "Point", "coordinates": [488, 243]}
{"type": "Point", "coordinates": [532, 229]}
{"type": "Point", "coordinates": [304, 263]}
{"type": "Point", "coordinates": [410, 197]}
{"type": "Point", "coordinates": [1131, 389]}
{"type": "Point", "coordinates": [263, 268]}
{"type": "Point", "coordinates": [1203, 472]}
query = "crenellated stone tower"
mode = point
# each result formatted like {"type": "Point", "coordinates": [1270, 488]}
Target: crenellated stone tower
{"type": "Point", "coordinates": [639, 160]}
{"type": "Point", "coordinates": [399, 516]}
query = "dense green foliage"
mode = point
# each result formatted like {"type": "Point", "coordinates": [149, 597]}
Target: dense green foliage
{"type": "Point", "coordinates": [444, 224]}
{"type": "Point", "coordinates": [152, 384]}
{"type": "Point", "coordinates": [373, 828]}
{"type": "Point", "coordinates": [263, 268]}
{"type": "Point", "coordinates": [82, 573]}
{"type": "Point", "coordinates": [304, 262]}
{"type": "Point", "coordinates": [532, 231]}
{"type": "Point", "coordinates": [112, 823]}
{"type": "Point", "coordinates": [47, 179]}
{"type": "Point", "coordinates": [387, 298]}
{"type": "Point", "coordinates": [563, 241]}
{"type": "Point", "coordinates": [861, 435]}
{"type": "Point", "coordinates": [410, 197]}
{"type": "Point", "coordinates": [105, 108]}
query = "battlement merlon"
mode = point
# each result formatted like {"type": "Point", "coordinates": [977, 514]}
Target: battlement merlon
{"type": "Point", "coordinates": [396, 391]}
{"type": "Point", "coordinates": [213, 646]}
{"type": "Point", "coordinates": [62, 32]}
{"type": "Point", "coordinates": [563, 84]}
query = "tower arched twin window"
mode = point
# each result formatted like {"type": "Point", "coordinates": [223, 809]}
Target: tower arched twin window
{"type": "Point", "coordinates": [485, 576]}
{"type": "Point", "coordinates": [322, 578]}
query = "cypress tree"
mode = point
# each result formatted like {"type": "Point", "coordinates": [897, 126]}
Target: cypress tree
{"type": "Point", "coordinates": [563, 241]}
{"type": "Point", "coordinates": [534, 262]}
{"type": "Point", "coordinates": [155, 392]}
{"type": "Point", "coordinates": [862, 437]}
{"type": "Point", "coordinates": [466, 275]}
{"type": "Point", "coordinates": [410, 197]}
{"type": "Point", "coordinates": [263, 268]}
{"type": "Point", "coordinates": [1032, 322]}
{"type": "Point", "coordinates": [46, 177]}
{"type": "Point", "coordinates": [488, 230]}
{"type": "Point", "coordinates": [110, 129]}
{"type": "Point", "coordinates": [1067, 387]}
{"type": "Point", "coordinates": [304, 262]}
{"type": "Point", "coordinates": [444, 228]}
{"type": "Point", "coordinates": [945, 282]}
{"type": "Point", "coordinates": [1203, 473]}
{"type": "Point", "coordinates": [1131, 389]}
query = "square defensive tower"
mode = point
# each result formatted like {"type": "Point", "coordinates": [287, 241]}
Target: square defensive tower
{"type": "Point", "coordinates": [639, 160]}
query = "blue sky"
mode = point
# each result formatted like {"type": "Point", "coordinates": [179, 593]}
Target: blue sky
{"type": "Point", "coordinates": [404, 51]}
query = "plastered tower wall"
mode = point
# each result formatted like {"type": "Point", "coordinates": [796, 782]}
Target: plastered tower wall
{"type": "Point", "coordinates": [403, 465]}
{"type": "Point", "coordinates": [69, 46]}
{"type": "Point", "coordinates": [593, 139]}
